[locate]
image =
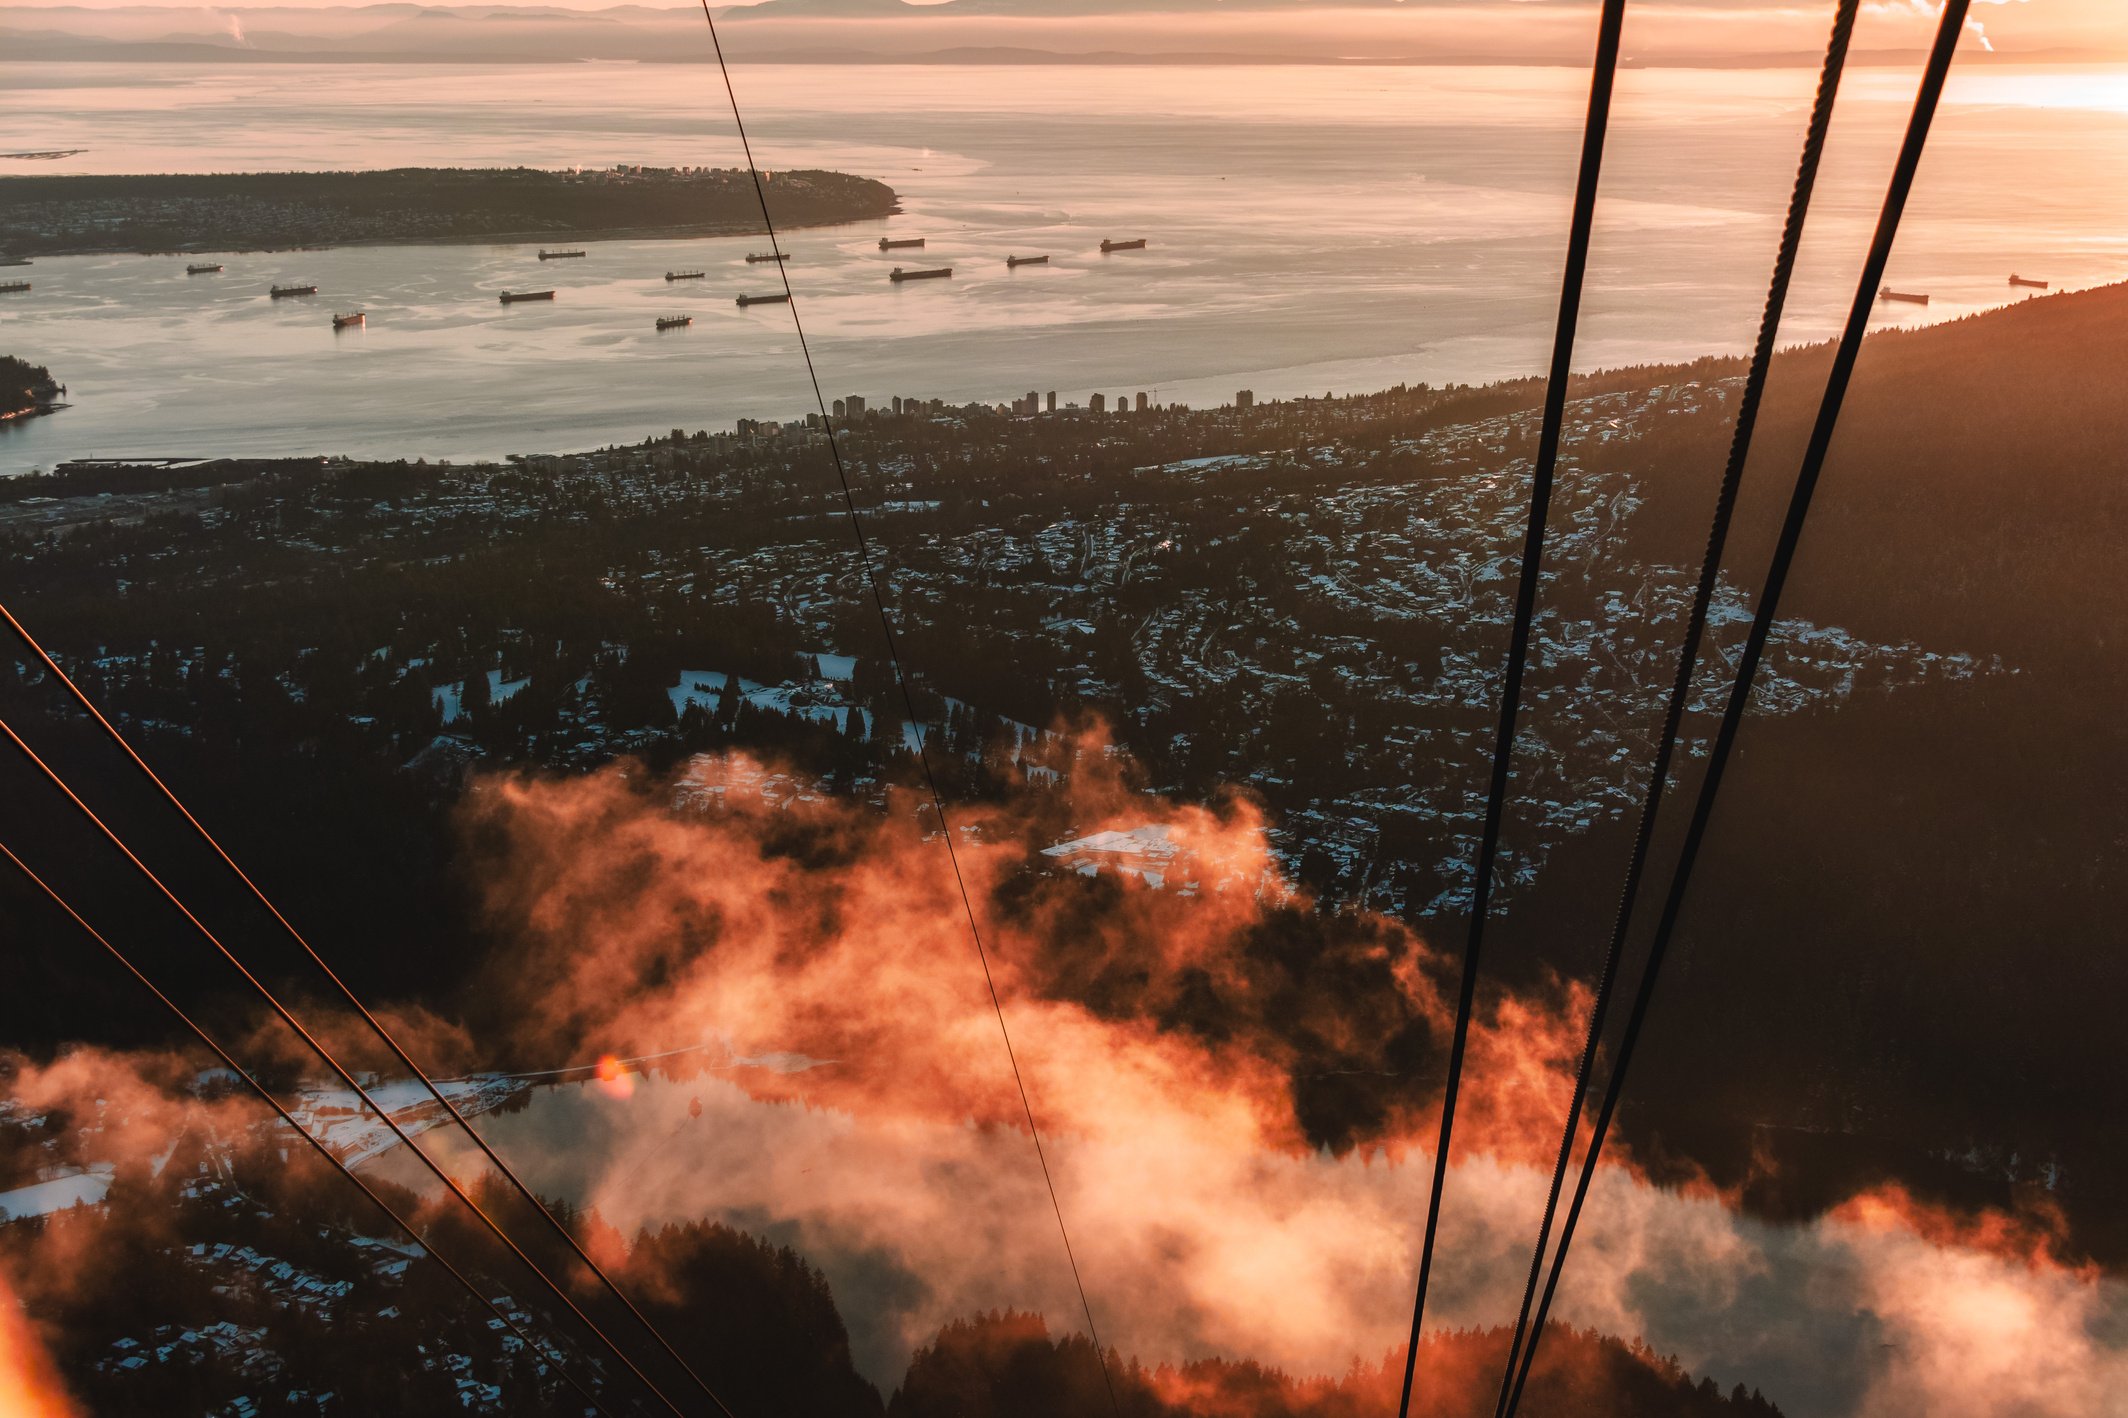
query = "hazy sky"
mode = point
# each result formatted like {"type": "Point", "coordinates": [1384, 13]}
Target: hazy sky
{"type": "Point", "coordinates": [1714, 24]}
{"type": "Point", "coordinates": [2023, 15]}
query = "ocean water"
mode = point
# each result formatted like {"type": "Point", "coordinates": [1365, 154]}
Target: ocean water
{"type": "Point", "coordinates": [1310, 229]}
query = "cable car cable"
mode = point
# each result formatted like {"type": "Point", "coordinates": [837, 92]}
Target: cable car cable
{"type": "Point", "coordinates": [901, 679]}
{"type": "Point", "coordinates": [1949, 29]}
{"type": "Point", "coordinates": [551, 1352]}
{"type": "Point", "coordinates": [347, 993]}
{"type": "Point", "coordinates": [339, 1069]}
{"type": "Point", "coordinates": [1688, 650]}
{"type": "Point", "coordinates": [1603, 73]}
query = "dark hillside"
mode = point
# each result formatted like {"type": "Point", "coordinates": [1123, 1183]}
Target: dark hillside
{"type": "Point", "coordinates": [1904, 936]}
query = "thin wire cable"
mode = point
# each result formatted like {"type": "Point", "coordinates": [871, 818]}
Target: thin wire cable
{"type": "Point", "coordinates": [1688, 651]}
{"type": "Point", "coordinates": [901, 679]}
{"type": "Point", "coordinates": [339, 1069]}
{"type": "Point", "coordinates": [1849, 349]}
{"type": "Point", "coordinates": [347, 993]}
{"type": "Point", "coordinates": [551, 1351]}
{"type": "Point", "coordinates": [1603, 73]}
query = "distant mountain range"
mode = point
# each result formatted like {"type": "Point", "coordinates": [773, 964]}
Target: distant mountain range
{"type": "Point", "coordinates": [965, 31]}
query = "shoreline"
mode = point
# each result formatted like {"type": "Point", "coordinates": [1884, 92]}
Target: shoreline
{"type": "Point", "coordinates": [699, 231]}
{"type": "Point", "coordinates": [191, 213]}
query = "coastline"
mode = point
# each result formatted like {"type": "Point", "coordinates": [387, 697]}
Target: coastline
{"type": "Point", "coordinates": [697, 231]}
{"type": "Point", "coordinates": [151, 214]}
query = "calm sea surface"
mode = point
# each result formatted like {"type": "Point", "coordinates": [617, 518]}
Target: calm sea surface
{"type": "Point", "coordinates": [1310, 229]}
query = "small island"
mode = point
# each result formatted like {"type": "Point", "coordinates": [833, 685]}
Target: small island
{"type": "Point", "coordinates": [268, 211]}
{"type": "Point", "coordinates": [26, 389]}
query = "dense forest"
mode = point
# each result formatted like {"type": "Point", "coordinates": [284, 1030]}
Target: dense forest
{"type": "Point", "coordinates": [1908, 903]}
{"type": "Point", "coordinates": [24, 387]}
{"type": "Point", "coordinates": [250, 211]}
{"type": "Point", "coordinates": [248, 1276]}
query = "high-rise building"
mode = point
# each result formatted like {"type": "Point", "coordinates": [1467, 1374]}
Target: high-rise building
{"type": "Point", "coordinates": [1246, 399]}
{"type": "Point", "coordinates": [855, 404]}
{"type": "Point", "coordinates": [1052, 401]}
{"type": "Point", "coordinates": [839, 407]}
{"type": "Point", "coordinates": [1099, 403]}
{"type": "Point", "coordinates": [1141, 401]}
{"type": "Point", "coordinates": [897, 404]}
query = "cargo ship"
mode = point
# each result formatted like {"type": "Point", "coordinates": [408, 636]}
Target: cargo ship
{"type": "Point", "coordinates": [685, 275]}
{"type": "Point", "coordinates": [278, 291]}
{"type": "Point", "coordinates": [341, 322]}
{"type": "Point", "coordinates": [206, 270]}
{"type": "Point", "coordinates": [1138, 245]}
{"type": "Point", "coordinates": [1011, 261]}
{"type": "Point", "coordinates": [782, 298]}
{"type": "Point", "coordinates": [12, 286]}
{"type": "Point", "coordinates": [888, 245]}
{"type": "Point", "coordinates": [753, 257]}
{"type": "Point", "coordinates": [898, 274]}
{"type": "Point", "coordinates": [674, 322]}
{"type": "Point", "coordinates": [2017, 280]}
{"type": "Point", "coordinates": [511, 297]}
{"type": "Point", "coordinates": [559, 255]}
{"type": "Point", "coordinates": [1910, 297]}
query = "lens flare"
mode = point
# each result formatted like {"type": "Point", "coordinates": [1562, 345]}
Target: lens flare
{"type": "Point", "coordinates": [28, 1386]}
{"type": "Point", "coordinates": [614, 1079]}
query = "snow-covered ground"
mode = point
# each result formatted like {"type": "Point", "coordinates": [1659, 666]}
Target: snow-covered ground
{"type": "Point", "coordinates": [338, 1118]}
{"type": "Point", "coordinates": [83, 1188]}
{"type": "Point", "coordinates": [448, 697]}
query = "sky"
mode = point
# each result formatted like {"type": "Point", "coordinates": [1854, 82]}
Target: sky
{"type": "Point", "coordinates": [1686, 31]}
{"type": "Point", "coordinates": [2027, 18]}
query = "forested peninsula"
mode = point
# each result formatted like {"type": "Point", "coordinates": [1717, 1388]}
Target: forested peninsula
{"type": "Point", "coordinates": [263, 211]}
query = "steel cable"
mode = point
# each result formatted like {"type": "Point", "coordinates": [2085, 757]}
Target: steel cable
{"type": "Point", "coordinates": [1603, 73]}
{"type": "Point", "coordinates": [331, 1061]}
{"type": "Point", "coordinates": [550, 1352]}
{"type": "Point", "coordinates": [901, 680]}
{"type": "Point", "coordinates": [1688, 650]}
{"type": "Point", "coordinates": [347, 993]}
{"type": "Point", "coordinates": [1849, 348]}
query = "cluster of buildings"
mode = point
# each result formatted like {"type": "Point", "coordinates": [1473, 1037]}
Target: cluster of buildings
{"type": "Point", "coordinates": [1338, 649]}
{"type": "Point", "coordinates": [854, 408]}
